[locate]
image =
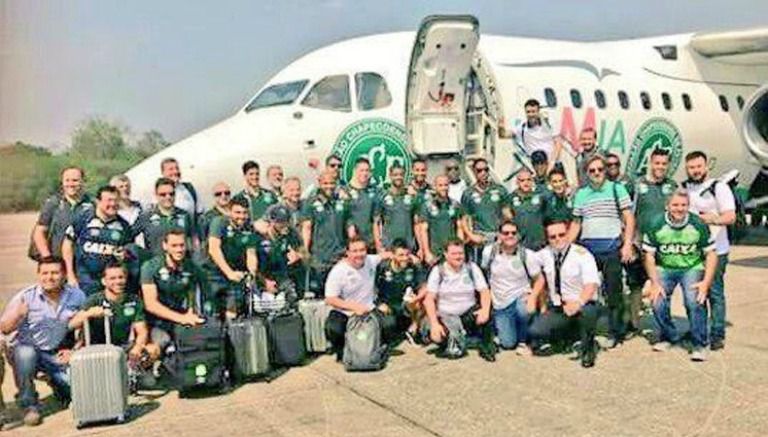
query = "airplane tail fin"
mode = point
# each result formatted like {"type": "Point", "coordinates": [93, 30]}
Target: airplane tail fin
{"type": "Point", "coordinates": [742, 46]}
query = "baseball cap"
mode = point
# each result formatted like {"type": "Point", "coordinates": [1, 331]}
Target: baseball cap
{"type": "Point", "coordinates": [278, 213]}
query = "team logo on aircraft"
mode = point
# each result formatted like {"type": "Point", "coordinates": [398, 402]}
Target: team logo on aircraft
{"type": "Point", "coordinates": [656, 133]}
{"type": "Point", "coordinates": [383, 142]}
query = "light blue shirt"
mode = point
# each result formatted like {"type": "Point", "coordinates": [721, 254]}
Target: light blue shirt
{"type": "Point", "coordinates": [45, 325]}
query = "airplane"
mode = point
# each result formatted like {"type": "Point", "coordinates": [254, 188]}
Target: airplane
{"type": "Point", "coordinates": [444, 91]}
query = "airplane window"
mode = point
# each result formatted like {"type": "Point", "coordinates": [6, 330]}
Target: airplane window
{"type": "Point", "coordinates": [372, 91]}
{"type": "Point", "coordinates": [687, 102]}
{"type": "Point", "coordinates": [576, 98]}
{"type": "Point", "coordinates": [723, 103]}
{"type": "Point", "coordinates": [551, 97]}
{"type": "Point", "coordinates": [646, 100]}
{"type": "Point", "coordinates": [623, 100]}
{"type": "Point", "coordinates": [667, 101]}
{"type": "Point", "coordinates": [740, 102]}
{"type": "Point", "coordinates": [600, 99]}
{"type": "Point", "coordinates": [277, 94]}
{"type": "Point", "coordinates": [331, 92]}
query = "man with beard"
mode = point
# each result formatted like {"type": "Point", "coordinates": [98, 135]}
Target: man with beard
{"type": "Point", "coordinates": [275, 177]}
{"type": "Point", "coordinates": [419, 186]}
{"type": "Point", "coordinates": [393, 212]}
{"type": "Point", "coordinates": [715, 205]}
{"type": "Point", "coordinates": [485, 205]}
{"type": "Point", "coordinates": [258, 198]}
{"type": "Point", "coordinates": [536, 134]}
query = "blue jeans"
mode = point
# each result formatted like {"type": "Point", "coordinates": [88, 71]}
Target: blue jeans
{"type": "Point", "coordinates": [27, 361]}
{"type": "Point", "coordinates": [512, 323]}
{"type": "Point", "coordinates": [717, 299]}
{"type": "Point", "coordinates": [697, 313]}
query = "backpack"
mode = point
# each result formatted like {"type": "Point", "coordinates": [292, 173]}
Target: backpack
{"type": "Point", "coordinates": [192, 192]}
{"type": "Point", "coordinates": [363, 346]}
{"type": "Point", "coordinates": [523, 258]}
{"type": "Point", "coordinates": [737, 230]}
{"type": "Point", "coordinates": [441, 272]}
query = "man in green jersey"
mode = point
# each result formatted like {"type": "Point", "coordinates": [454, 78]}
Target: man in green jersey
{"type": "Point", "coordinates": [528, 207]}
{"type": "Point", "coordinates": [558, 203]}
{"type": "Point", "coordinates": [280, 253]}
{"type": "Point", "coordinates": [679, 250]}
{"type": "Point", "coordinates": [155, 222]}
{"type": "Point", "coordinates": [361, 196]}
{"type": "Point", "coordinates": [258, 198]}
{"type": "Point", "coordinates": [419, 186]}
{"type": "Point", "coordinates": [324, 229]}
{"type": "Point", "coordinates": [439, 220]}
{"type": "Point", "coordinates": [222, 195]}
{"type": "Point", "coordinates": [486, 205]}
{"type": "Point", "coordinates": [169, 284]}
{"type": "Point", "coordinates": [393, 212]}
{"type": "Point", "coordinates": [232, 246]}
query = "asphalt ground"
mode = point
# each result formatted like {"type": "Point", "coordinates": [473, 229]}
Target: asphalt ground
{"type": "Point", "coordinates": [631, 391]}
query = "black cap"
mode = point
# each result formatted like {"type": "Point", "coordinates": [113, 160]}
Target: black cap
{"type": "Point", "coordinates": [538, 157]}
{"type": "Point", "coordinates": [278, 213]}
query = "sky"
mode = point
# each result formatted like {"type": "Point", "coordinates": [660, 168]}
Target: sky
{"type": "Point", "coordinates": [178, 66]}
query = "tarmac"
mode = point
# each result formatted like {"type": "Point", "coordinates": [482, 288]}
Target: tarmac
{"type": "Point", "coordinates": [631, 391]}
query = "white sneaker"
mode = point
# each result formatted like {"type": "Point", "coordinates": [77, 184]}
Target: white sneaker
{"type": "Point", "coordinates": [662, 346]}
{"type": "Point", "coordinates": [699, 354]}
{"type": "Point", "coordinates": [523, 350]}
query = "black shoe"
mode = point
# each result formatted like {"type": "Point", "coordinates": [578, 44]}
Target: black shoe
{"type": "Point", "coordinates": [488, 353]}
{"type": "Point", "coordinates": [543, 350]}
{"type": "Point", "coordinates": [717, 345]}
{"type": "Point", "coordinates": [588, 355]}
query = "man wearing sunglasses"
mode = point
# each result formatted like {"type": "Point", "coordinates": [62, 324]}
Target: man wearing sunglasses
{"type": "Point", "coordinates": [604, 224]}
{"type": "Point", "coordinates": [486, 204]}
{"type": "Point", "coordinates": [333, 167]}
{"type": "Point", "coordinates": [571, 273]}
{"type": "Point", "coordinates": [156, 221]}
{"type": "Point", "coordinates": [222, 195]}
{"type": "Point", "coordinates": [456, 185]}
{"type": "Point", "coordinates": [529, 206]}
{"type": "Point", "coordinates": [613, 173]}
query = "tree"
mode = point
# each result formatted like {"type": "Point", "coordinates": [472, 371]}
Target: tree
{"type": "Point", "coordinates": [97, 138]}
{"type": "Point", "coordinates": [151, 142]}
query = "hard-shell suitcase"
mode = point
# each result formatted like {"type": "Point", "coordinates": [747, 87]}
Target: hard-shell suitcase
{"type": "Point", "coordinates": [250, 344]}
{"type": "Point", "coordinates": [286, 335]}
{"type": "Point", "coordinates": [315, 313]}
{"type": "Point", "coordinates": [99, 381]}
{"type": "Point", "coordinates": [199, 357]}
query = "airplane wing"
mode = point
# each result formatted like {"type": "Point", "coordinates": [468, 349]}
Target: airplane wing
{"type": "Point", "coordinates": [742, 46]}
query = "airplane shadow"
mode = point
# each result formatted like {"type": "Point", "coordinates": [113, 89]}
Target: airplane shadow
{"type": "Point", "coordinates": [760, 262]}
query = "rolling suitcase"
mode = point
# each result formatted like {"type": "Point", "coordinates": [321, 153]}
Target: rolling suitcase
{"type": "Point", "coordinates": [200, 360]}
{"type": "Point", "coordinates": [250, 344]}
{"type": "Point", "coordinates": [286, 335]}
{"type": "Point", "coordinates": [315, 313]}
{"type": "Point", "coordinates": [99, 381]}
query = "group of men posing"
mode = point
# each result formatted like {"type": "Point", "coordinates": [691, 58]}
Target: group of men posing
{"type": "Point", "coordinates": [524, 270]}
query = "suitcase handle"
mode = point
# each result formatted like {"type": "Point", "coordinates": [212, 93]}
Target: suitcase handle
{"type": "Point", "coordinates": [107, 331]}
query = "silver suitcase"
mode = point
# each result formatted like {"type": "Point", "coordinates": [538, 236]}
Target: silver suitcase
{"type": "Point", "coordinates": [315, 313]}
{"type": "Point", "coordinates": [99, 380]}
{"type": "Point", "coordinates": [251, 346]}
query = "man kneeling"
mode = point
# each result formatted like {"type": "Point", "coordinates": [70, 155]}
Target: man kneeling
{"type": "Point", "coordinates": [452, 305]}
{"type": "Point", "coordinates": [571, 273]}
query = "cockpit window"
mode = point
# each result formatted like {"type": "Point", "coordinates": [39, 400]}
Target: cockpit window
{"type": "Point", "coordinates": [331, 92]}
{"type": "Point", "coordinates": [372, 91]}
{"type": "Point", "coordinates": [277, 94]}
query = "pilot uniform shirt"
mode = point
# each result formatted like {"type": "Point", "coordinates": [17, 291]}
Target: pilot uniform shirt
{"type": "Point", "coordinates": [529, 210]}
{"type": "Point", "coordinates": [442, 217]}
{"type": "Point", "coordinates": [537, 137]}
{"type": "Point", "coordinates": [507, 276]}
{"type": "Point", "coordinates": [353, 285]}
{"type": "Point", "coordinates": [703, 202]}
{"type": "Point", "coordinates": [258, 203]}
{"type": "Point", "coordinates": [177, 286]}
{"type": "Point", "coordinates": [97, 242]}
{"type": "Point", "coordinates": [329, 219]}
{"type": "Point", "coordinates": [235, 242]}
{"type": "Point", "coordinates": [456, 292]}
{"type": "Point", "coordinates": [126, 310]}
{"type": "Point", "coordinates": [485, 206]}
{"type": "Point", "coordinates": [154, 224]}
{"type": "Point", "coordinates": [396, 211]}
{"type": "Point", "coordinates": [578, 269]}
{"type": "Point", "coordinates": [56, 215]}
{"type": "Point", "coordinates": [361, 208]}
{"type": "Point", "coordinates": [650, 202]}
{"type": "Point", "coordinates": [45, 325]}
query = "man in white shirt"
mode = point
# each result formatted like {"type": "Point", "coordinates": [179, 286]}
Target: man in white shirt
{"type": "Point", "coordinates": [571, 272]}
{"type": "Point", "coordinates": [452, 305]}
{"type": "Point", "coordinates": [350, 290]}
{"type": "Point", "coordinates": [536, 134]}
{"type": "Point", "coordinates": [511, 270]}
{"type": "Point", "coordinates": [457, 185]}
{"type": "Point", "coordinates": [713, 202]}
{"type": "Point", "coordinates": [186, 194]}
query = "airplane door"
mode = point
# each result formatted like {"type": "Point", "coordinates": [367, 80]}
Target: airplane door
{"type": "Point", "coordinates": [437, 82]}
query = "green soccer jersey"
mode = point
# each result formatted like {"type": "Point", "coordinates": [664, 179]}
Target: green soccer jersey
{"type": "Point", "coordinates": [361, 208]}
{"type": "Point", "coordinates": [176, 285]}
{"type": "Point", "coordinates": [485, 206]}
{"type": "Point", "coordinates": [126, 310]}
{"type": "Point", "coordinates": [424, 193]}
{"type": "Point", "coordinates": [154, 223]}
{"type": "Point", "coordinates": [204, 225]}
{"type": "Point", "coordinates": [235, 243]}
{"type": "Point", "coordinates": [396, 211]}
{"type": "Point", "coordinates": [391, 283]}
{"type": "Point", "coordinates": [650, 201]}
{"type": "Point", "coordinates": [557, 207]}
{"type": "Point", "coordinates": [258, 202]}
{"type": "Point", "coordinates": [329, 219]}
{"type": "Point", "coordinates": [273, 253]}
{"type": "Point", "coordinates": [529, 211]}
{"type": "Point", "coordinates": [679, 246]}
{"type": "Point", "coordinates": [442, 217]}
